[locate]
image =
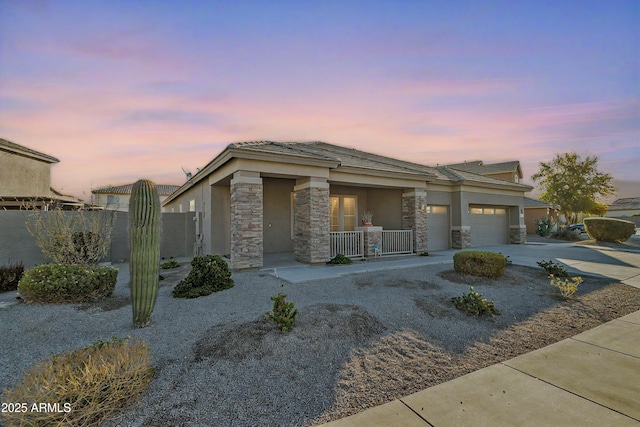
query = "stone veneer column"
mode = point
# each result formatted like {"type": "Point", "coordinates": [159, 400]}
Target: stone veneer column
{"type": "Point", "coordinates": [372, 237]}
{"type": "Point", "coordinates": [460, 237]}
{"type": "Point", "coordinates": [517, 234]}
{"type": "Point", "coordinates": [414, 217]}
{"type": "Point", "coordinates": [246, 220]}
{"type": "Point", "coordinates": [311, 220]}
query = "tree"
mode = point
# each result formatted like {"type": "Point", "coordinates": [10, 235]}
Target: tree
{"type": "Point", "coordinates": [575, 184]}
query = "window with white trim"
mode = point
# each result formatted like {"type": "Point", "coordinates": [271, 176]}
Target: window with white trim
{"type": "Point", "coordinates": [342, 213]}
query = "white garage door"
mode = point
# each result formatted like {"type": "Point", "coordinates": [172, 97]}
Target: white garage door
{"type": "Point", "coordinates": [489, 225]}
{"type": "Point", "coordinates": [437, 228]}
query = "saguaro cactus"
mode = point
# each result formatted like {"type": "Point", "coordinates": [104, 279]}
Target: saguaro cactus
{"type": "Point", "coordinates": [144, 243]}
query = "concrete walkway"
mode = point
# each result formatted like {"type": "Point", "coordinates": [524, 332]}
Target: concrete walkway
{"type": "Point", "coordinates": [591, 379]}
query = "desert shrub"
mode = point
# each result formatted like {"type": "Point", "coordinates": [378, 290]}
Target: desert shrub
{"type": "Point", "coordinates": [479, 263]}
{"type": "Point", "coordinates": [10, 275]}
{"type": "Point", "coordinates": [171, 263]}
{"type": "Point", "coordinates": [209, 273]}
{"type": "Point", "coordinates": [544, 226]}
{"type": "Point", "coordinates": [609, 229]}
{"type": "Point", "coordinates": [566, 234]}
{"type": "Point", "coordinates": [283, 313]}
{"type": "Point", "coordinates": [553, 269]}
{"type": "Point", "coordinates": [339, 259]}
{"type": "Point", "coordinates": [67, 283]}
{"type": "Point", "coordinates": [565, 288]}
{"type": "Point", "coordinates": [77, 237]}
{"type": "Point", "coordinates": [475, 303]}
{"type": "Point", "coordinates": [88, 384]}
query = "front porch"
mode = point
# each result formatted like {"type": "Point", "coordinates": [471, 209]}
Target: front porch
{"type": "Point", "coordinates": [317, 219]}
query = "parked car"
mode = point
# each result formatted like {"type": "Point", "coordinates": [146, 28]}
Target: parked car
{"type": "Point", "coordinates": [578, 228]}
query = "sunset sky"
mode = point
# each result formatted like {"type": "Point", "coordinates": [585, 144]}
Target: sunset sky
{"type": "Point", "coordinates": [122, 90]}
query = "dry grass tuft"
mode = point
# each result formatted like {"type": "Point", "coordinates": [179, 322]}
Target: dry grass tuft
{"type": "Point", "coordinates": [83, 387]}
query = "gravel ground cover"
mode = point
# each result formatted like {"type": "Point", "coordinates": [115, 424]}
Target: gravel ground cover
{"type": "Point", "coordinates": [359, 341]}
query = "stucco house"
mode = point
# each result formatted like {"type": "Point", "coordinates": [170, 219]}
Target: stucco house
{"type": "Point", "coordinates": [536, 209]}
{"type": "Point", "coordinates": [307, 198]}
{"type": "Point", "coordinates": [116, 197]}
{"type": "Point", "coordinates": [25, 177]}
{"type": "Point", "coordinates": [626, 207]}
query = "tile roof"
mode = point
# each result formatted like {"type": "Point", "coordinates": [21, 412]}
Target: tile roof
{"type": "Point", "coordinates": [346, 157]}
{"type": "Point", "coordinates": [12, 147]}
{"type": "Point", "coordinates": [163, 190]}
{"type": "Point", "coordinates": [477, 166]}
{"type": "Point", "coordinates": [625, 204]}
{"type": "Point", "coordinates": [535, 203]}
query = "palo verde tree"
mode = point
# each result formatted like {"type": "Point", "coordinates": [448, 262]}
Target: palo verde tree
{"type": "Point", "coordinates": [575, 184]}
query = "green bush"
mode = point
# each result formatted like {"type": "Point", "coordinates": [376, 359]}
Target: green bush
{"type": "Point", "coordinates": [283, 313]}
{"type": "Point", "coordinates": [553, 269]}
{"type": "Point", "coordinates": [171, 263]}
{"type": "Point", "coordinates": [480, 263]}
{"type": "Point", "coordinates": [475, 303]}
{"type": "Point", "coordinates": [209, 273]}
{"type": "Point", "coordinates": [67, 283]}
{"type": "Point", "coordinates": [88, 384]}
{"type": "Point", "coordinates": [10, 275]}
{"type": "Point", "coordinates": [340, 259]}
{"type": "Point", "coordinates": [609, 229]}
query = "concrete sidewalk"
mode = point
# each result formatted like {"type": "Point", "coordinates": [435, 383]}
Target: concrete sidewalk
{"type": "Point", "coordinates": [591, 379]}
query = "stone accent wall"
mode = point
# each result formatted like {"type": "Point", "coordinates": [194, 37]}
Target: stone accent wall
{"type": "Point", "coordinates": [414, 217]}
{"type": "Point", "coordinates": [311, 221]}
{"type": "Point", "coordinates": [246, 221]}
{"type": "Point", "coordinates": [460, 237]}
{"type": "Point", "coordinates": [517, 234]}
{"type": "Point", "coordinates": [372, 236]}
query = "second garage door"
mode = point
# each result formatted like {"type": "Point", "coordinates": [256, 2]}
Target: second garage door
{"type": "Point", "coordinates": [437, 228]}
{"type": "Point", "coordinates": [489, 225]}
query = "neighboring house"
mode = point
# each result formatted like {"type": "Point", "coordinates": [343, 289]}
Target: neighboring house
{"type": "Point", "coordinates": [536, 209]}
{"type": "Point", "coordinates": [308, 197]}
{"type": "Point", "coordinates": [116, 197]}
{"type": "Point", "coordinates": [626, 207]}
{"type": "Point", "coordinates": [25, 177]}
{"type": "Point", "coordinates": [509, 171]}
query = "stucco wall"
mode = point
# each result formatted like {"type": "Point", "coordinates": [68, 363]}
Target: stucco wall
{"type": "Point", "coordinates": [16, 243]}
{"type": "Point", "coordinates": [21, 176]}
{"type": "Point", "coordinates": [386, 205]}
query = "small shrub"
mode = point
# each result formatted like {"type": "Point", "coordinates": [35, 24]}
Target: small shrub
{"type": "Point", "coordinates": [544, 226]}
{"type": "Point", "coordinates": [88, 384]}
{"type": "Point", "coordinates": [209, 273]}
{"type": "Point", "coordinates": [565, 288]}
{"type": "Point", "coordinates": [171, 263]}
{"type": "Point", "coordinates": [609, 229]}
{"type": "Point", "coordinates": [78, 237]}
{"type": "Point", "coordinates": [425, 253]}
{"type": "Point", "coordinates": [10, 275]}
{"type": "Point", "coordinates": [480, 263]}
{"type": "Point", "coordinates": [553, 269]}
{"type": "Point", "coordinates": [566, 234]}
{"type": "Point", "coordinates": [474, 303]}
{"type": "Point", "coordinates": [67, 283]}
{"type": "Point", "coordinates": [339, 259]}
{"type": "Point", "coordinates": [283, 313]}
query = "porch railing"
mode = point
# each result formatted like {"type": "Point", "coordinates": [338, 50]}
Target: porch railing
{"type": "Point", "coordinates": [347, 243]}
{"type": "Point", "coordinates": [397, 242]}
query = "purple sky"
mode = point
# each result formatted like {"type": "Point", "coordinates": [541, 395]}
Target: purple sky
{"type": "Point", "coordinates": [122, 90]}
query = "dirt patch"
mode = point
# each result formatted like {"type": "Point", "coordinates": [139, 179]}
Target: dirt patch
{"type": "Point", "coordinates": [404, 362]}
{"type": "Point", "coordinates": [399, 283]}
{"type": "Point", "coordinates": [107, 304]}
